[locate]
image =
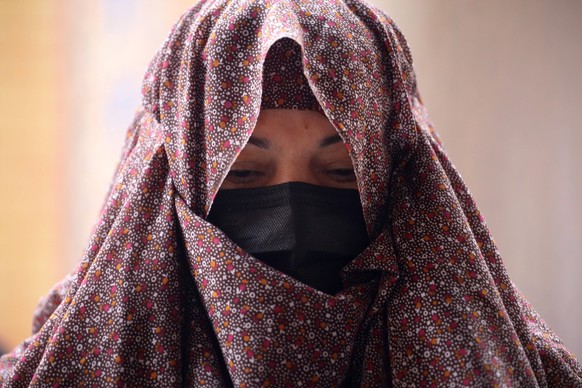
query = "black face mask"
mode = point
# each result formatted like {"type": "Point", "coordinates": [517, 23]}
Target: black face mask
{"type": "Point", "coordinates": [308, 232]}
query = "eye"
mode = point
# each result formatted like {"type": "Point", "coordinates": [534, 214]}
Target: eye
{"type": "Point", "coordinates": [243, 176]}
{"type": "Point", "coordinates": [341, 174]}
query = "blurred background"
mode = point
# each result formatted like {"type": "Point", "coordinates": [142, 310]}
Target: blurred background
{"type": "Point", "coordinates": [501, 80]}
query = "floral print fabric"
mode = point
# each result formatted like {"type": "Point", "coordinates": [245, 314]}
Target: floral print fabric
{"type": "Point", "coordinates": [163, 298]}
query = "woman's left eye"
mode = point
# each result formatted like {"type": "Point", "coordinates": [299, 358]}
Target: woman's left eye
{"type": "Point", "coordinates": [241, 173]}
{"type": "Point", "coordinates": [342, 174]}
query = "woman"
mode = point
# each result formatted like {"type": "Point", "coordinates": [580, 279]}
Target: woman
{"type": "Point", "coordinates": [202, 269]}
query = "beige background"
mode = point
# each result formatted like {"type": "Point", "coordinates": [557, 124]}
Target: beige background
{"type": "Point", "coordinates": [501, 80]}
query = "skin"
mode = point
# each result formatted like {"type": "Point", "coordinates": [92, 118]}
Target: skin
{"type": "Point", "coordinates": [292, 146]}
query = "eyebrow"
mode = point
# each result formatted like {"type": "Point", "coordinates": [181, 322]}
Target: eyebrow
{"type": "Point", "coordinates": [260, 142]}
{"type": "Point", "coordinates": [266, 144]}
{"type": "Point", "coordinates": [330, 140]}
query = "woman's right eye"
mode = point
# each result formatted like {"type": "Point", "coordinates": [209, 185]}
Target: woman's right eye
{"type": "Point", "coordinates": [243, 176]}
{"type": "Point", "coordinates": [246, 174]}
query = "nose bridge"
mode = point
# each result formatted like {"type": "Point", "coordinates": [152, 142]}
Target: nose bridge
{"type": "Point", "coordinates": [294, 167]}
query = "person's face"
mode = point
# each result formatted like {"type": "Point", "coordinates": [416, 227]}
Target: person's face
{"type": "Point", "coordinates": [292, 146]}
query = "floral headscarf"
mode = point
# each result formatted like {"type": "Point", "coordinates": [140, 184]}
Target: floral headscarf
{"type": "Point", "coordinates": [164, 298]}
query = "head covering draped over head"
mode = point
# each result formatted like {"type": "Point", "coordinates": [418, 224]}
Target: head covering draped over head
{"type": "Point", "coordinates": [164, 298]}
{"type": "Point", "coordinates": [284, 84]}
